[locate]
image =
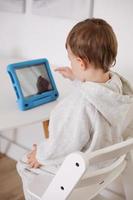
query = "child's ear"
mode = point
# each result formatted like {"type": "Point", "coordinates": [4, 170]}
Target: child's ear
{"type": "Point", "coordinates": [82, 63]}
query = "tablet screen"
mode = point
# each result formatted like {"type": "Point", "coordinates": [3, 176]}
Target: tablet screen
{"type": "Point", "coordinates": [33, 80]}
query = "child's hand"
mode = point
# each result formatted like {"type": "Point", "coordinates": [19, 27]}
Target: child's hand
{"type": "Point", "coordinates": [31, 157]}
{"type": "Point", "coordinates": [66, 72]}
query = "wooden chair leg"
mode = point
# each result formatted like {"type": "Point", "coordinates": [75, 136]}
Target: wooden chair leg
{"type": "Point", "coordinates": [45, 128]}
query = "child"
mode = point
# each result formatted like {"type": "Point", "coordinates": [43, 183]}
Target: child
{"type": "Point", "coordinates": [101, 104]}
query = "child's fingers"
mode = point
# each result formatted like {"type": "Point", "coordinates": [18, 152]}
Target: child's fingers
{"type": "Point", "coordinates": [29, 161]}
{"type": "Point", "coordinates": [31, 164]}
{"type": "Point", "coordinates": [29, 154]}
{"type": "Point", "coordinates": [34, 164]}
{"type": "Point", "coordinates": [37, 165]}
{"type": "Point", "coordinates": [34, 147]}
{"type": "Point", "coordinates": [64, 71]}
{"type": "Point", "coordinates": [61, 69]}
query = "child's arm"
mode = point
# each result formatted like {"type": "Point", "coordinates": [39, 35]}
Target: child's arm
{"type": "Point", "coordinates": [66, 72]}
{"type": "Point", "coordinates": [68, 132]}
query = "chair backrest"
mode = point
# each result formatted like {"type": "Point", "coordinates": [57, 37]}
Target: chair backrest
{"type": "Point", "coordinates": [80, 170]}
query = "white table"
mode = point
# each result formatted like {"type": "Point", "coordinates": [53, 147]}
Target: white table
{"type": "Point", "coordinates": [10, 116]}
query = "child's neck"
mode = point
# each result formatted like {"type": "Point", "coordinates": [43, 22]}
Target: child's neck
{"type": "Point", "coordinates": [96, 75]}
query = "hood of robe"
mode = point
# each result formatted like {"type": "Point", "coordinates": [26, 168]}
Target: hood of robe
{"type": "Point", "coordinates": [114, 101]}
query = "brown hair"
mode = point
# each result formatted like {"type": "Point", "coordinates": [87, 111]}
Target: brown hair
{"type": "Point", "coordinates": [94, 40]}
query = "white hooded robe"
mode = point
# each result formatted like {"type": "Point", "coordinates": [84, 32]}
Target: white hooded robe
{"type": "Point", "coordinates": [93, 116]}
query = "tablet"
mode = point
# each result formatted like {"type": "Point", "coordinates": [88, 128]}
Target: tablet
{"type": "Point", "coordinates": [33, 83]}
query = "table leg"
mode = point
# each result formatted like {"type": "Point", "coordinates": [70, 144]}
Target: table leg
{"type": "Point", "coordinates": [45, 128]}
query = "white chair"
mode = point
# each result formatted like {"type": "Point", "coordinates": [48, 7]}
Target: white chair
{"type": "Point", "coordinates": [76, 179]}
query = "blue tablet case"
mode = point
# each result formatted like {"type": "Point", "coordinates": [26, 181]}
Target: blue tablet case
{"type": "Point", "coordinates": [33, 83]}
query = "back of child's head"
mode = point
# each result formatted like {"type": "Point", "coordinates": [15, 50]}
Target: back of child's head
{"type": "Point", "coordinates": [94, 41]}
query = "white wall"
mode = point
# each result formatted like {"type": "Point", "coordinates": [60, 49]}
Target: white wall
{"type": "Point", "coordinates": [32, 36]}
